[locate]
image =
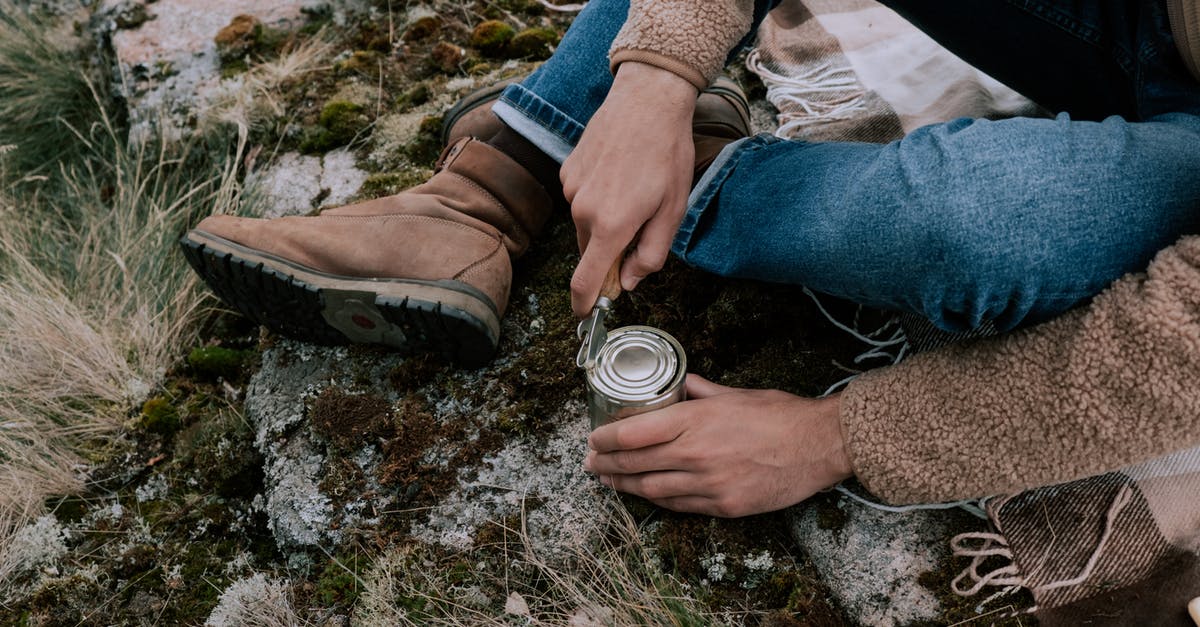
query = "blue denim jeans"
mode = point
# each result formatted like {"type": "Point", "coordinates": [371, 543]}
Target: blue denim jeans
{"type": "Point", "coordinates": [1010, 221]}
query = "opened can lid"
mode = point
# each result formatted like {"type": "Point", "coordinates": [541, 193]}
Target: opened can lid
{"type": "Point", "coordinates": [636, 364]}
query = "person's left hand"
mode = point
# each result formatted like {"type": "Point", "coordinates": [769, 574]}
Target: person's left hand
{"type": "Point", "coordinates": [726, 452]}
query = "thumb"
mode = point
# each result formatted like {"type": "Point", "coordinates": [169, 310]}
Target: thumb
{"type": "Point", "coordinates": [699, 387]}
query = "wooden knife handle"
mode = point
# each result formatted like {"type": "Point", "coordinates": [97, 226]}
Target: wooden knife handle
{"type": "Point", "coordinates": [612, 281]}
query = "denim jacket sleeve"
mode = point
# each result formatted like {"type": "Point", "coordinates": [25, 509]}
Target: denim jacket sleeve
{"type": "Point", "coordinates": [690, 38]}
{"type": "Point", "coordinates": [1101, 387]}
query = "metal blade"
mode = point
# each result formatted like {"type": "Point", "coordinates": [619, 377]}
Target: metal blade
{"type": "Point", "coordinates": [596, 337]}
{"type": "Point", "coordinates": [583, 331]}
{"type": "Point", "coordinates": [593, 333]}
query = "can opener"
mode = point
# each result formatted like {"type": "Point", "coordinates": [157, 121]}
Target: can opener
{"type": "Point", "coordinates": [591, 329]}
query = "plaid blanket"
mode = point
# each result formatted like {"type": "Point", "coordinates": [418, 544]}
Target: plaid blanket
{"type": "Point", "coordinates": [1122, 548]}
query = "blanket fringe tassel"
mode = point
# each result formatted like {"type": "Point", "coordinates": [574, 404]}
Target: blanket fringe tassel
{"type": "Point", "coordinates": [811, 96]}
{"type": "Point", "coordinates": [982, 546]}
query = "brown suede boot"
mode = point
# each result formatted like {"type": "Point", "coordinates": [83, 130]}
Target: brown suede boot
{"type": "Point", "coordinates": [722, 116]}
{"type": "Point", "coordinates": [426, 269]}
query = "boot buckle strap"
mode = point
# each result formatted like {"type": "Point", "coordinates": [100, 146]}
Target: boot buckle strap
{"type": "Point", "coordinates": [450, 153]}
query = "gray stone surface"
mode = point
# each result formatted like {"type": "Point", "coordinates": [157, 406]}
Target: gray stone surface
{"type": "Point", "coordinates": [871, 559]}
{"type": "Point", "coordinates": [299, 514]}
{"type": "Point", "coordinates": [296, 184]}
{"type": "Point", "coordinates": [545, 470]}
{"type": "Point", "coordinates": [167, 63]}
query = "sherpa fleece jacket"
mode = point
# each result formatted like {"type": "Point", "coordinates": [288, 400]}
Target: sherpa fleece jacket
{"type": "Point", "coordinates": [691, 38]}
{"type": "Point", "coordinates": [1111, 384]}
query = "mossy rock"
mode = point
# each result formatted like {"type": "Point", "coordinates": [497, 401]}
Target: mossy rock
{"type": "Point", "coordinates": [159, 416]}
{"type": "Point", "coordinates": [220, 450]}
{"type": "Point", "coordinates": [447, 57]}
{"type": "Point", "coordinates": [362, 62]}
{"type": "Point", "coordinates": [427, 145]}
{"type": "Point", "coordinates": [522, 7]}
{"type": "Point", "coordinates": [416, 96]}
{"type": "Point", "coordinates": [232, 68]}
{"type": "Point", "coordinates": [218, 362]}
{"type": "Point", "coordinates": [492, 37]}
{"type": "Point", "coordinates": [533, 43]}
{"type": "Point", "coordinates": [339, 124]}
{"type": "Point", "coordinates": [481, 68]}
{"type": "Point", "coordinates": [317, 18]}
{"type": "Point", "coordinates": [338, 585]}
{"type": "Point", "coordinates": [422, 28]}
{"type": "Point", "coordinates": [245, 37]}
{"type": "Point", "coordinates": [378, 185]}
{"type": "Point", "coordinates": [63, 601]}
{"type": "Point", "coordinates": [237, 38]}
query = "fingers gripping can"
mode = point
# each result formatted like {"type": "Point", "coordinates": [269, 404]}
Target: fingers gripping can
{"type": "Point", "coordinates": [639, 369]}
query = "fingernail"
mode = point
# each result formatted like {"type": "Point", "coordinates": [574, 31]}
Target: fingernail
{"type": "Point", "coordinates": [606, 480]}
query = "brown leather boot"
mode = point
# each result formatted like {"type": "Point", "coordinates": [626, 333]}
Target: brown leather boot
{"type": "Point", "coordinates": [426, 269]}
{"type": "Point", "coordinates": [722, 116]}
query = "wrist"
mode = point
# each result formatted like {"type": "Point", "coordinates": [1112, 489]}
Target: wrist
{"type": "Point", "coordinates": [839, 456]}
{"type": "Point", "coordinates": [655, 81]}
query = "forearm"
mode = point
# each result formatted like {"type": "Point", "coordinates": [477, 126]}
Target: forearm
{"type": "Point", "coordinates": [690, 38]}
{"type": "Point", "coordinates": [1105, 386]}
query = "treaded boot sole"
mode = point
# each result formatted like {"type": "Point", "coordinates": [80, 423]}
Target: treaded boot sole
{"type": "Point", "coordinates": [446, 317]}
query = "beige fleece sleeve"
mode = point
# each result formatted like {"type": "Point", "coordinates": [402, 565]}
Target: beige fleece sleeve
{"type": "Point", "coordinates": [1101, 387]}
{"type": "Point", "coordinates": [690, 38]}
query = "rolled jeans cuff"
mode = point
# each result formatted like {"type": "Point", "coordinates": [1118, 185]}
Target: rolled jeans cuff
{"type": "Point", "coordinates": [544, 125]}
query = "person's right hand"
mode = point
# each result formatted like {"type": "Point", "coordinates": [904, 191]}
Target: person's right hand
{"type": "Point", "coordinates": [629, 177]}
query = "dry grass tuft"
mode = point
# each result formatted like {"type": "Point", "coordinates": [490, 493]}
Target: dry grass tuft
{"type": "Point", "coordinates": [95, 300]}
{"type": "Point", "coordinates": [95, 303]}
{"type": "Point", "coordinates": [615, 580]}
{"type": "Point", "coordinates": [255, 96]}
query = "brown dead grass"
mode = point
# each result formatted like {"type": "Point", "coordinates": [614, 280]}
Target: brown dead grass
{"type": "Point", "coordinates": [95, 300]}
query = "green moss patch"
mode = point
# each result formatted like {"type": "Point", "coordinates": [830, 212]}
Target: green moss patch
{"type": "Point", "coordinates": [159, 416]}
{"type": "Point", "coordinates": [218, 362]}
{"type": "Point", "coordinates": [492, 37]}
{"type": "Point", "coordinates": [221, 452]}
{"type": "Point", "coordinates": [422, 28]}
{"type": "Point", "coordinates": [391, 183]}
{"type": "Point", "coordinates": [415, 96]}
{"type": "Point", "coordinates": [338, 586]}
{"type": "Point", "coordinates": [339, 124]}
{"type": "Point", "coordinates": [365, 62]}
{"type": "Point", "coordinates": [533, 43]}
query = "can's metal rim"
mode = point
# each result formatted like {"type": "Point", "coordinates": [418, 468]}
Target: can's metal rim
{"type": "Point", "coordinates": [638, 364]}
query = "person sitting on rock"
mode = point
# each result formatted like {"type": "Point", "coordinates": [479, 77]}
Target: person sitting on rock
{"type": "Point", "coordinates": [1020, 222]}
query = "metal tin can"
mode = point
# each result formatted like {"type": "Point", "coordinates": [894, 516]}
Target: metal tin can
{"type": "Point", "coordinates": [639, 369]}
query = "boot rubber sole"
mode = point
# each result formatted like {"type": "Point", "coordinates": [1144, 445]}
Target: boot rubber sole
{"type": "Point", "coordinates": [411, 316]}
